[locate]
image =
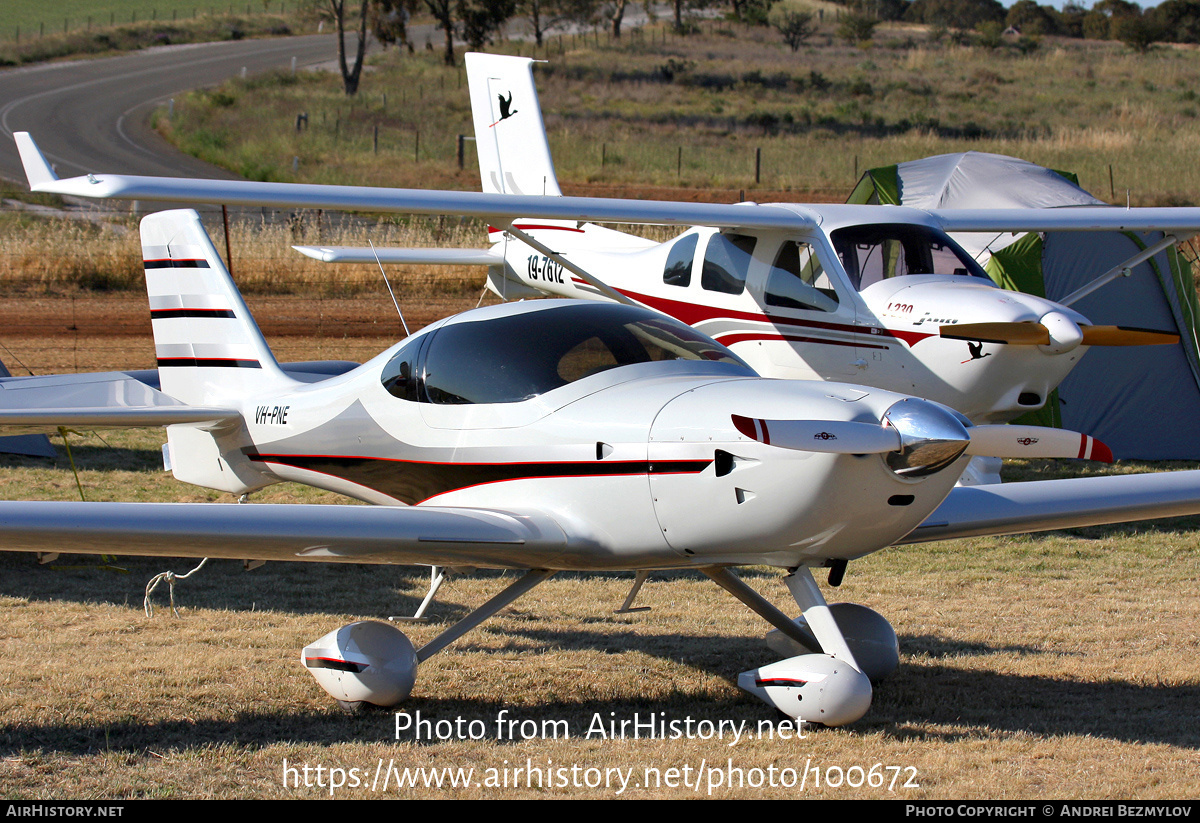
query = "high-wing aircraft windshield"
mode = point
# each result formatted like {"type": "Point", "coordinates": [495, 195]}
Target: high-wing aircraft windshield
{"type": "Point", "coordinates": [875, 252]}
{"type": "Point", "coordinates": [507, 360]}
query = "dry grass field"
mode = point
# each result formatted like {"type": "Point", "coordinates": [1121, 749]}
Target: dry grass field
{"type": "Point", "coordinates": [1062, 665]}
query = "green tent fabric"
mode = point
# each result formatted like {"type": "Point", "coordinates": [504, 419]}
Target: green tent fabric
{"type": "Point", "coordinates": [878, 187]}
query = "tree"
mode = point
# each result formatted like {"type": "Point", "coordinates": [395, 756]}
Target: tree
{"type": "Point", "coordinates": [545, 14]}
{"type": "Point", "coordinates": [1178, 20]}
{"type": "Point", "coordinates": [443, 13]}
{"type": "Point", "coordinates": [751, 12]}
{"type": "Point", "coordinates": [1117, 8]}
{"type": "Point", "coordinates": [794, 24]}
{"type": "Point", "coordinates": [1069, 21]}
{"type": "Point", "coordinates": [350, 75]}
{"type": "Point", "coordinates": [616, 13]}
{"type": "Point", "coordinates": [956, 14]}
{"type": "Point", "coordinates": [389, 20]}
{"type": "Point", "coordinates": [482, 19]}
{"type": "Point", "coordinates": [990, 34]}
{"type": "Point", "coordinates": [1029, 18]}
{"type": "Point", "coordinates": [857, 28]}
{"type": "Point", "coordinates": [1136, 32]}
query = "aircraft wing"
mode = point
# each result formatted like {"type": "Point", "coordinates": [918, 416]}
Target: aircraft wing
{"type": "Point", "coordinates": [368, 254]}
{"type": "Point", "coordinates": [499, 209]}
{"type": "Point", "coordinates": [104, 400]}
{"type": "Point", "coordinates": [1045, 505]}
{"type": "Point", "coordinates": [1070, 218]}
{"type": "Point", "coordinates": [281, 531]}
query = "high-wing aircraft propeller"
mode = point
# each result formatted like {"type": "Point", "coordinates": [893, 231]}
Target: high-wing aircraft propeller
{"type": "Point", "coordinates": [543, 436]}
{"type": "Point", "coordinates": [1040, 334]}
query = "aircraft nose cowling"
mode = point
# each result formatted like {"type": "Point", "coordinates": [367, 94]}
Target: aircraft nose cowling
{"type": "Point", "coordinates": [784, 502]}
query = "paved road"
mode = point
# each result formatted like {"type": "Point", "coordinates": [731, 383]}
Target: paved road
{"type": "Point", "coordinates": [91, 115]}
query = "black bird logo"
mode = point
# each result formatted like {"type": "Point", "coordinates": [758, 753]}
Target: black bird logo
{"type": "Point", "coordinates": [976, 350]}
{"type": "Point", "coordinates": [505, 111]}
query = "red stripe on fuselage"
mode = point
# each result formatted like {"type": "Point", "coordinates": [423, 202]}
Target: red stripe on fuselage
{"type": "Point", "coordinates": [693, 314]}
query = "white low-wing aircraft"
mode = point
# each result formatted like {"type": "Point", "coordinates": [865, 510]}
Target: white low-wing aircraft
{"type": "Point", "coordinates": [545, 436]}
{"type": "Point", "coordinates": [874, 294]}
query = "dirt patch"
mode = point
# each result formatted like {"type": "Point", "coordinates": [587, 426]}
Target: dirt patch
{"type": "Point", "coordinates": [46, 335]}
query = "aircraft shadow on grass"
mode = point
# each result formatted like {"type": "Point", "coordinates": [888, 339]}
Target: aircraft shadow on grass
{"type": "Point", "coordinates": [918, 703]}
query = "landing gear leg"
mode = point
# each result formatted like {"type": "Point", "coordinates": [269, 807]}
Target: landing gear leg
{"type": "Point", "coordinates": [814, 688]}
{"type": "Point", "coordinates": [374, 662]}
{"type": "Point", "coordinates": [817, 615]}
{"type": "Point", "coordinates": [437, 576]}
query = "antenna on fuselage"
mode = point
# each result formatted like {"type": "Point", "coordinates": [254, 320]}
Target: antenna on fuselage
{"type": "Point", "coordinates": [389, 287]}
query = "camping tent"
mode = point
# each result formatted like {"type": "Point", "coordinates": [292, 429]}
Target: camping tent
{"type": "Point", "coordinates": [1141, 401]}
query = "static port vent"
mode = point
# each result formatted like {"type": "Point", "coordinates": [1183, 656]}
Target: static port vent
{"type": "Point", "coordinates": [900, 500]}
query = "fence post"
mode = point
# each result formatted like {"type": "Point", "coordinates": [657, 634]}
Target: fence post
{"type": "Point", "coordinates": [758, 165]}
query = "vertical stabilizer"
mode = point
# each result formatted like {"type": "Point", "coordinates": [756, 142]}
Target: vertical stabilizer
{"type": "Point", "coordinates": [514, 156]}
{"type": "Point", "coordinates": [208, 347]}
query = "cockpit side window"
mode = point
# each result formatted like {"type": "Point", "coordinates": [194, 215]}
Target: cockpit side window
{"type": "Point", "coordinates": [399, 376]}
{"type": "Point", "coordinates": [872, 253]}
{"type": "Point", "coordinates": [726, 262]}
{"type": "Point", "coordinates": [797, 280]}
{"type": "Point", "coordinates": [678, 271]}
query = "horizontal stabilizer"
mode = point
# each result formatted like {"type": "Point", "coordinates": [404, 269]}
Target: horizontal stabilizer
{"type": "Point", "coordinates": [366, 254]}
{"type": "Point", "coordinates": [51, 419]}
{"type": "Point", "coordinates": [106, 400]}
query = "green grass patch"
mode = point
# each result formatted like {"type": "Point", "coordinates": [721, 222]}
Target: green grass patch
{"type": "Point", "coordinates": [35, 32]}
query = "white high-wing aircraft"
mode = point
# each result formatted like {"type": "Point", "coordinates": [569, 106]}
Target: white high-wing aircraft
{"type": "Point", "coordinates": [545, 436]}
{"type": "Point", "coordinates": [874, 294]}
